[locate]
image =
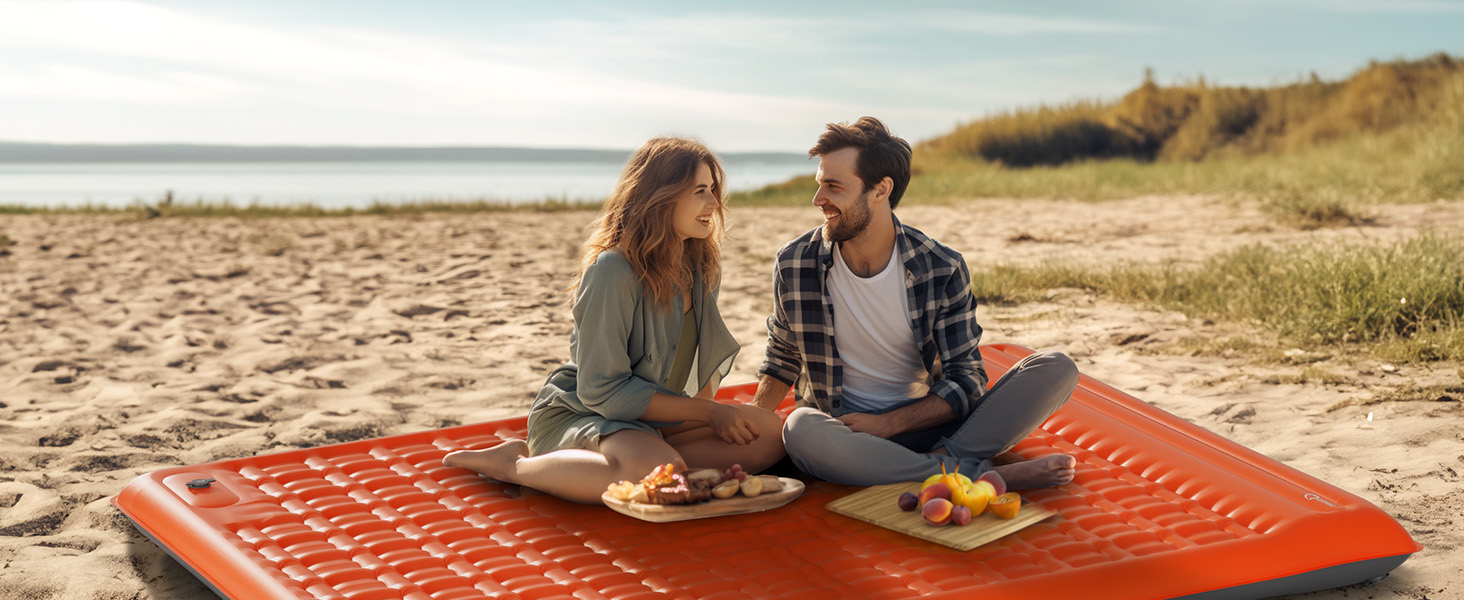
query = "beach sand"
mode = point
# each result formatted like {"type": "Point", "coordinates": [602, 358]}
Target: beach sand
{"type": "Point", "coordinates": [130, 345]}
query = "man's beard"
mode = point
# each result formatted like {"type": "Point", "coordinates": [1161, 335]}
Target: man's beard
{"type": "Point", "coordinates": [851, 223]}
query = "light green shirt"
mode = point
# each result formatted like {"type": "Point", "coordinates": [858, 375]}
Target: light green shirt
{"type": "Point", "coordinates": [623, 345]}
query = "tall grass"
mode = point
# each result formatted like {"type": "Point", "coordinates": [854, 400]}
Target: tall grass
{"type": "Point", "coordinates": [1407, 298]}
{"type": "Point", "coordinates": [1197, 121]}
{"type": "Point", "coordinates": [1316, 153]}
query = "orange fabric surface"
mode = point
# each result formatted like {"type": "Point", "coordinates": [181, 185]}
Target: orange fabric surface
{"type": "Point", "coordinates": [1160, 508]}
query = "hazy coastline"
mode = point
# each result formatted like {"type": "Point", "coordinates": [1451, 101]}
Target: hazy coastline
{"type": "Point", "coordinates": [31, 152]}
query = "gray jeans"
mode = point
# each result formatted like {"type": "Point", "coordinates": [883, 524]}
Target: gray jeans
{"type": "Point", "coordinates": [1018, 403]}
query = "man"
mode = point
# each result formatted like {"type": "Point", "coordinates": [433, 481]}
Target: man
{"type": "Point", "coordinates": [876, 323]}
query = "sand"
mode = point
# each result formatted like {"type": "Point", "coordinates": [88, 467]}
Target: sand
{"type": "Point", "coordinates": [131, 345]}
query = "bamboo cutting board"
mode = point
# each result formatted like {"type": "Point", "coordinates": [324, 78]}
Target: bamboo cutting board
{"type": "Point", "coordinates": [877, 505]}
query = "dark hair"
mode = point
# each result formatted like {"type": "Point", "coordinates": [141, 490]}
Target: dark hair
{"type": "Point", "coordinates": [881, 154]}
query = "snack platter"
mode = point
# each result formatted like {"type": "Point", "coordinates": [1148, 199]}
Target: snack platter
{"type": "Point", "coordinates": [717, 507]}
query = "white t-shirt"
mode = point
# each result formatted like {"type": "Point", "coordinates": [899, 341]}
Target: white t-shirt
{"type": "Point", "coordinates": [872, 331]}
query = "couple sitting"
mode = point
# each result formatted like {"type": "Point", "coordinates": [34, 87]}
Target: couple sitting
{"type": "Point", "coordinates": [873, 320]}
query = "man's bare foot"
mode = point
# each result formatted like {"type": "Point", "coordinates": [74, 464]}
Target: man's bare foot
{"type": "Point", "coordinates": [1047, 471]}
{"type": "Point", "coordinates": [494, 463]}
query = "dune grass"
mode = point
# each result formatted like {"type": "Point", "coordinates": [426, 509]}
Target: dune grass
{"type": "Point", "coordinates": [1404, 301]}
{"type": "Point", "coordinates": [1314, 153]}
{"type": "Point", "coordinates": [1199, 121]}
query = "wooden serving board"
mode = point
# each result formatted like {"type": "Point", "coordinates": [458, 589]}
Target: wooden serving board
{"type": "Point", "coordinates": [878, 505]}
{"type": "Point", "coordinates": [739, 504]}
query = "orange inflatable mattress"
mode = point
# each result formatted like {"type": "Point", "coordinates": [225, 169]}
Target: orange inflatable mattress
{"type": "Point", "coordinates": [1160, 508]}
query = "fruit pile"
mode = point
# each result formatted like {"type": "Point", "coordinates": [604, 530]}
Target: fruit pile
{"type": "Point", "coordinates": [955, 498]}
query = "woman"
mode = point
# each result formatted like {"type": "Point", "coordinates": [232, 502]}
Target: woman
{"type": "Point", "coordinates": [649, 346]}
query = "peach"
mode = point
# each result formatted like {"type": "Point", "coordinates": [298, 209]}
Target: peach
{"type": "Point", "coordinates": [994, 478]}
{"type": "Point", "coordinates": [960, 515]}
{"type": "Point", "coordinates": [977, 496]}
{"type": "Point", "coordinates": [937, 511]}
{"type": "Point", "coordinates": [1005, 505]}
{"type": "Point", "coordinates": [934, 491]}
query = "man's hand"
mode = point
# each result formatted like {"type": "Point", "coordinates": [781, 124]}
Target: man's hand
{"type": "Point", "coordinates": [875, 425]}
{"type": "Point", "coordinates": [928, 412]}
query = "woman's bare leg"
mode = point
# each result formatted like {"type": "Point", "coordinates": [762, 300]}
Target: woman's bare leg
{"type": "Point", "coordinates": [574, 475]}
{"type": "Point", "coordinates": [702, 448]}
{"type": "Point", "coordinates": [496, 463]}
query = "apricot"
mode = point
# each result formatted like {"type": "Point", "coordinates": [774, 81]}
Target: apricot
{"type": "Point", "coordinates": [1005, 505]}
{"type": "Point", "coordinates": [934, 491]}
{"type": "Point", "coordinates": [994, 478]}
{"type": "Point", "coordinates": [960, 515]}
{"type": "Point", "coordinates": [977, 496]}
{"type": "Point", "coordinates": [908, 501]}
{"type": "Point", "coordinates": [937, 511]}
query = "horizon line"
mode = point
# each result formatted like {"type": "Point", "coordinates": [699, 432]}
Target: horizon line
{"type": "Point", "coordinates": [45, 152]}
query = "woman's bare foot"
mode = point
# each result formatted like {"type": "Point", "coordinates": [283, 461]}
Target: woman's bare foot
{"type": "Point", "coordinates": [494, 463]}
{"type": "Point", "coordinates": [1047, 471]}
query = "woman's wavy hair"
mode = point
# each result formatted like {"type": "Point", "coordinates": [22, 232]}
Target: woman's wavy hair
{"type": "Point", "coordinates": [636, 219]}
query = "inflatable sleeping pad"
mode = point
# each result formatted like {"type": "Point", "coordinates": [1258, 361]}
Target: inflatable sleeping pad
{"type": "Point", "coordinates": [1160, 508]}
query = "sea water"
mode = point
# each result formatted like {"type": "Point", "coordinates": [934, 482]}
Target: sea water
{"type": "Point", "coordinates": [341, 184]}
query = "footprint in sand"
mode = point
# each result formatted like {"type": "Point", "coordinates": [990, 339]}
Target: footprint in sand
{"type": "Point", "coordinates": [30, 510]}
{"type": "Point", "coordinates": [418, 310]}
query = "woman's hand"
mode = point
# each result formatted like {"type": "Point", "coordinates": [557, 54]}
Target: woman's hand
{"type": "Point", "coordinates": [731, 424]}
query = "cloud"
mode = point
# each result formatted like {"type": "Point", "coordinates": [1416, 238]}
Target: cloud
{"type": "Point", "coordinates": [110, 51]}
{"type": "Point", "coordinates": [88, 83]}
{"type": "Point", "coordinates": [1018, 25]}
{"type": "Point", "coordinates": [1386, 6]}
{"type": "Point", "coordinates": [193, 76]}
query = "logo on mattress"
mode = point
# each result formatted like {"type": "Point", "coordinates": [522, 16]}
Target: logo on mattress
{"type": "Point", "coordinates": [1325, 501]}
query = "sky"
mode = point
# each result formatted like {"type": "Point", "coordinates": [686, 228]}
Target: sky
{"type": "Point", "coordinates": [740, 76]}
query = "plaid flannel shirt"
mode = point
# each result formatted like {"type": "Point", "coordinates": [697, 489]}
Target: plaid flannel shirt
{"type": "Point", "coordinates": [801, 344]}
